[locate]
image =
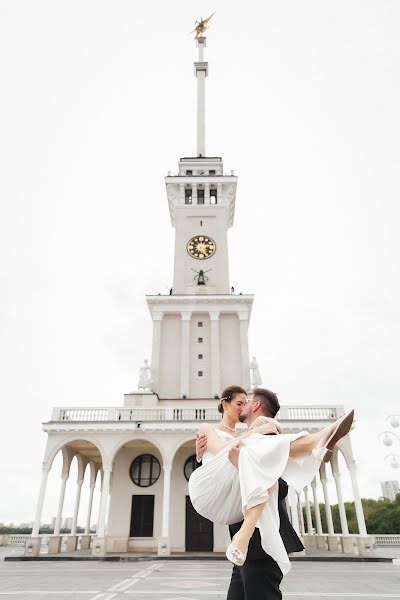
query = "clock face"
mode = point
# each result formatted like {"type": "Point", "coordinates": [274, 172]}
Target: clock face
{"type": "Point", "coordinates": [201, 247]}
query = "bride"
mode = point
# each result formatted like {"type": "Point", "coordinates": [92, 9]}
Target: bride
{"type": "Point", "coordinates": [240, 471]}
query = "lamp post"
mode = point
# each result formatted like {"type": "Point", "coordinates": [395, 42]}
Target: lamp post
{"type": "Point", "coordinates": [389, 437]}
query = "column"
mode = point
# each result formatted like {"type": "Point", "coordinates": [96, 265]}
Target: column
{"type": "Point", "coordinates": [155, 356]}
{"type": "Point", "coordinates": [357, 500]}
{"type": "Point", "coordinates": [101, 527]}
{"type": "Point", "coordinates": [76, 509]}
{"type": "Point", "coordinates": [57, 526]}
{"type": "Point", "coordinates": [89, 512]}
{"type": "Point", "coordinates": [328, 511]}
{"type": "Point", "coordinates": [185, 353]}
{"type": "Point", "coordinates": [39, 506]}
{"type": "Point", "coordinates": [300, 508]}
{"type": "Point", "coordinates": [215, 366]}
{"type": "Point", "coordinates": [308, 512]}
{"type": "Point", "coordinates": [244, 345]}
{"type": "Point", "coordinates": [194, 194]}
{"type": "Point", "coordinates": [206, 193]}
{"type": "Point", "coordinates": [166, 500]}
{"type": "Point", "coordinates": [342, 511]}
{"type": "Point", "coordinates": [182, 193]}
{"type": "Point", "coordinates": [294, 510]}
{"type": "Point", "coordinates": [317, 512]}
{"type": "Point", "coordinates": [219, 193]}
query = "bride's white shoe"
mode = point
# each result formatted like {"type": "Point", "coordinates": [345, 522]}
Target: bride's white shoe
{"type": "Point", "coordinates": [324, 450]}
{"type": "Point", "coordinates": [236, 556]}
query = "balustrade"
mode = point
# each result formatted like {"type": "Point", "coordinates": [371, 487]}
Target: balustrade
{"type": "Point", "coordinates": [287, 413]}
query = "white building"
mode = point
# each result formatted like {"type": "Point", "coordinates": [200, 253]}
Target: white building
{"type": "Point", "coordinates": [144, 450]}
{"type": "Point", "coordinates": [390, 489]}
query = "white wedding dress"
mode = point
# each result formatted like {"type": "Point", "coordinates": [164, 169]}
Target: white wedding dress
{"type": "Point", "coordinates": [222, 493]}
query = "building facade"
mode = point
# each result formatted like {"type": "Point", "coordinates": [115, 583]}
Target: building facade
{"type": "Point", "coordinates": [390, 489]}
{"type": "Point", "coordinates": [142, 453]}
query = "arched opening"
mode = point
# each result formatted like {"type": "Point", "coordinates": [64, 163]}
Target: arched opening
{"type": "Point", "coordinates": [135, 513]}
{"type": "Point", "coordinates": [191, 532]}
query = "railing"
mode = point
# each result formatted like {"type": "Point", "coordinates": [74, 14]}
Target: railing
{"type": "Point", "coordinates": [387, 540]}
{"type": "Point", "coordinates": [19, 539]}
{"type": "Point", "coordinates": [287, 413]}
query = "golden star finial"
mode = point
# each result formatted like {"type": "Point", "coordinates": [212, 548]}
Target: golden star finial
{"type": "Point", "coordinates": [201, 26]}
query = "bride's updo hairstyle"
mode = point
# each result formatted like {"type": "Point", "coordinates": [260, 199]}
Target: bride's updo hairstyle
{"type": "Point", "coordinates": [228, 395]}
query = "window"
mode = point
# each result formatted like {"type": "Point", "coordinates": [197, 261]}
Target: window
{"type": "Point", "coordinates": [200, 196]}
{"type": "Point", "coordinates": [211, 172]}
{"type": "Point", "coordinates": [200, 324]}
{"type": "Point", "coordinates": [189, 466]}
{"type": "Point", "coordinates": [145, 470]}
{"type": "Point", "coordinates": [213, 196]}
{"type": "Point", "coordinates": [188, 195]}
{"type": "Point", "coordinates": [189, 172]}
{"type": "Point", "coordinates": [200, 356]}
{"type": "Point", "coordinates": [199, 340]}
{"type": "Point", "coordinates": [142, 516]}
{"type": "Point", "coordinates": [200, 373]}
{"type": "Point", "coordinates": [201, 223]}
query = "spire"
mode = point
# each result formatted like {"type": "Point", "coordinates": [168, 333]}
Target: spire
{"type": "Point", "coordinates": [201, 72]}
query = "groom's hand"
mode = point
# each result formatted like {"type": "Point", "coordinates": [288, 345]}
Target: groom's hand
{"type": "Point", "coordinates": [233, 454]}
{"type": "Point", "coordinates": [201, 446]}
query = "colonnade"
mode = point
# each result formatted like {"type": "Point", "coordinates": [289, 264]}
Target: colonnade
{"type": "Point", "coordinates": [207, 196]}
{"type": "Point", "coordinates": [55, 540]}
{"type": "Point", "coordinates": [311, 528]}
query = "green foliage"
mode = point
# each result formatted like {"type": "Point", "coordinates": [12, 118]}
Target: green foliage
{"type": "Point", "coordinates": [381, 516]}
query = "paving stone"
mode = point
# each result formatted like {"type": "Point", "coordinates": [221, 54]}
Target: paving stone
{"type": "Point", "coordinates": [188, 580]}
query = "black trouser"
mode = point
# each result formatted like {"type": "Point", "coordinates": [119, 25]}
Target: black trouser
{"type": "Point", "coordinates": [258, 579]}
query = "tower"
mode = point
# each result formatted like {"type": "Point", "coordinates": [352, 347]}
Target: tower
{"type": "Point", "coordinates": [200, 330]}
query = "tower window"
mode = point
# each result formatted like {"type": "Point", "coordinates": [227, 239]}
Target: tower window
{"type": "Point", "coordinates": [189, 172]}
{"type": "Point", "coordinates": [213, 196]}
{"type": "Point", "coordinates": [200, 373]}
{"type": "Point", "coordinates": [211, 172]}
{"type": "Point", "coordinates": [200, 356]}
{"type": "Point", "coordinates": [188, 196]}
{"type": "Point", "coordinates": [200, 324]}
{"type": "Point", "coordinates": [199, 340]}
{"type": "Point", "coordinates": [201, 223]}
{"type": "Point", "coordinates": [200, 196]}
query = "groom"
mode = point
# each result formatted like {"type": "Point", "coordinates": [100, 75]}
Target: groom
{"type": "Point", "coordinates": [260, 576]}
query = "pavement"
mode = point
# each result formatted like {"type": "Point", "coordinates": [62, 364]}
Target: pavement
{"type": "Point", "coordinates": [189, 580]}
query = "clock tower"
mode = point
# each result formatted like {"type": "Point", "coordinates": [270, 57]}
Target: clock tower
{"type": "Point", "coordinates": [200, 329]}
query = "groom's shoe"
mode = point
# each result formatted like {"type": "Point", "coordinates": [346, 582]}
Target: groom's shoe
{"type": "Point", "coordinates": [324, 451]}
{"type": "Point", "coordinates": [235, 555]}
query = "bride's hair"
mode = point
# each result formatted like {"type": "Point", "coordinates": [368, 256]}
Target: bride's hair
{"type": "Point", "coordinates": [228, 395]}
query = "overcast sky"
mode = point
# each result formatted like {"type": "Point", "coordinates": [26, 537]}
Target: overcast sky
{"type": "Point", "coordinates": [97, 103]}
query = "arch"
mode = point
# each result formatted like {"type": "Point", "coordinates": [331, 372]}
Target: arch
{"type": "Point", "coordinates": [179, 444]}
{"type": "Point", "coordinates": [73, 438]}
{"type": "Point", "coordinates": [121, 443]}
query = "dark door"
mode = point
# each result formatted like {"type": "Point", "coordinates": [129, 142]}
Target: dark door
{"type": "Point", "coordinates": [199, 531]}
{"type": "Point", "coordinates": [142, 516]}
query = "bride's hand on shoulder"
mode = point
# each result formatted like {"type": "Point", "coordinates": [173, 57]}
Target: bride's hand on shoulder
{"type": "Point", "coordinates": [266, 426]}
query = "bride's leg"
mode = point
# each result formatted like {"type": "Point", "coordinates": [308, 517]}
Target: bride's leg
{"type": "Point", "coordinates": [306, 443]}
{"type": "Point", "coordinates": [242, 537]}
{"type": "Point", "coordinates": [326, 438]}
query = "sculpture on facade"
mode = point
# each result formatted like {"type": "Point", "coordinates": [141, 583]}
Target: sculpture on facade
{"type": "Point", "coordinates": [200, 277]}
{"type": "Point", "coordinates": [145, 380]}
{"type": "Point", "coordinates": [255, 376]}
{"type": "Point", "coordinates": [201, 26]}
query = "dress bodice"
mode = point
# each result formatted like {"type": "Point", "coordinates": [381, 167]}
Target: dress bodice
{"type": "Point", "coordinates": [224, 435]}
